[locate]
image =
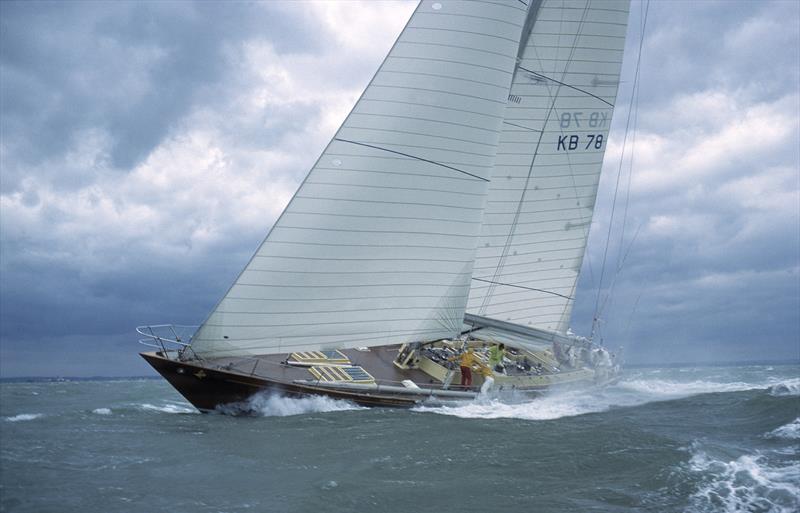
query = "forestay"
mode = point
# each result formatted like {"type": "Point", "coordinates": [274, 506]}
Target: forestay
{"type": "Point", "coordinates": [377, 244]}
{"type": "Point", "coordinates": [548, 164]}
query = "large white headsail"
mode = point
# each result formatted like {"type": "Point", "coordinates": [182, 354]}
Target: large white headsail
{"type": "Point", "coordinates": [377, 245]}
{"type": "Point", "coordinates": [548, 164]}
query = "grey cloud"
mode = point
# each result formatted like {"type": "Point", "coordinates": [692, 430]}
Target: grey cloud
{"type": "Point", "coordinates": [81, 79]}
{"type": "Point", "coordinates": [736, 44]}
{"type": "Point", "coordinates": [110, 355]}
{"type": "Point", "coordinates": [723, 293]}
{"type": "Point", "coordinates": [723, 283]}
{"type": "Point", "coordinates": [131, 70]}
{"type": "Point", "coordinates": [126, 77]}
{"type": "Point", "coordinates": [40, 299]}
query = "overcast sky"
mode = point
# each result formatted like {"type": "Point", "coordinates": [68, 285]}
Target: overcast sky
{"type": "Point", "coordinates": [148, 147]}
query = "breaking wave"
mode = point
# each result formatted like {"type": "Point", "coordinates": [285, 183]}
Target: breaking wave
{"type": "Point", "coordinates": [549, 407]}
{"type": "Point", "coordinates": [749, 483]}
{"type": "Point", "coordinates": [273, 405]}
{"type": "Point", "coordinates": [102, 411]}
{"type": "Point", "coordinates": [790, 431]}
{"type": "Point", "coordinates": [168, 408]}
{"type": "Point", "coordinates": [790, 387]}
{"type": "Point", "coordinates": [559, 404]}
{"type": "Point", "coordinates": [674, 389]}
{"type": "Point", "coordinates": [23, 416]}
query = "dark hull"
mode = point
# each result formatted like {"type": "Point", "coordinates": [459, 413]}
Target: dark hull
{"type": "Point", "coordinates": [211, 389]}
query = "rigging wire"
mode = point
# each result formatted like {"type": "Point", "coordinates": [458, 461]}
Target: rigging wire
{"type": "Point", "coordinates": [636, 94]}
{"type": "Point", "coordinates": [632, 106]}
{"type": "Point", "coordinates": [624, 257]}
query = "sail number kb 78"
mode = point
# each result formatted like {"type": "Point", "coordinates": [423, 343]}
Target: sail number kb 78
{"type": "Point", "coordinates": [574, 142]}
{"type": "Point", "coordinates": [596, 120]}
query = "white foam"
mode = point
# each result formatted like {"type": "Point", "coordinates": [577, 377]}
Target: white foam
{"type": "Point", "coordinates": [169, 408]}
{"type": "Point", "coordinates": [273, 405]}
{"type": "Point", "coordinates": [675, 389]}
{"type": "Point", "coordinates": [790, 387]}
{"type": "Point", "coordinates": [748, 483]}
{"type": "Point", "coordinates": [790, 431]}
{"type": "Point", "coordinates": [24, 416]}
{"type": "Point", "coordinates": [554, 405]}
{"type": "Point", "coordinates": [102, 411]}
{"type": "Point", "coordinates": [633, 391]}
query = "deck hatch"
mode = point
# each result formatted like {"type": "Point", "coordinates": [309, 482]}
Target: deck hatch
{"type": "Point", "coordinates": [322, 357]}
{"type": "Point", "coordinates": [341, 374]}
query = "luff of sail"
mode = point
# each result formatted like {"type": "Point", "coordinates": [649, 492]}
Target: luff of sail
{"type": "Point", "coordinates": [543, 190]}
{"type": "Point", "coordinates": [377, 245]}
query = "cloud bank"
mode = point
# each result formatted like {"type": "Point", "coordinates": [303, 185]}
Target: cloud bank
{"type": "Point", "coordinates": [147, 148]}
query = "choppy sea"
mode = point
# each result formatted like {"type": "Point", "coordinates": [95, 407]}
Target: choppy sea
{"type": "Point", "coordinates": [690, 439]}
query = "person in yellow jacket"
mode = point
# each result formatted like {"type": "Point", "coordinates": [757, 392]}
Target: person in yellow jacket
{"type": "Point", "coordinates": [466, 361]}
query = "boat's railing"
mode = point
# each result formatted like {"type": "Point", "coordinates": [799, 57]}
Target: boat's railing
{"type": "Point", "coordinates": [173, 340]}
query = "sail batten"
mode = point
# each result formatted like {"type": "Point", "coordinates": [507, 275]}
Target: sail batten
{"type": "Point", "coordinates": [377, 245]}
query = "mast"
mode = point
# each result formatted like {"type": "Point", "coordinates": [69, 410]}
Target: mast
{"type": "Point", "coordinates": [377, 245]}
{"type": "Point", "coordinates": [555, 132]}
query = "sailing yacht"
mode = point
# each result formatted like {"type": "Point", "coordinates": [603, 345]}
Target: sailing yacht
{"type": "Point", "coordinates": [449, 213]}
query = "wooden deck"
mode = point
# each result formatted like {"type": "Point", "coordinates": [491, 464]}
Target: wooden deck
{"type": "Point", "coordinates": [377, 361]}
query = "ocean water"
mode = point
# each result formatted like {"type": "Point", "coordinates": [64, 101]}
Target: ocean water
{"type": "Point", "coordinates": [704, 439]}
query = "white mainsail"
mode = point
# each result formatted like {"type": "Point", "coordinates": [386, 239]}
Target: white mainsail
{"type": "Point", "coordinates": [547, 170]}
{"type": "Point", "coordinates": [377, 244]}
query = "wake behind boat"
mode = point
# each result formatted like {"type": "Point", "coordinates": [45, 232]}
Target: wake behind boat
{"type": "Point", "coordinates": [447, 216]}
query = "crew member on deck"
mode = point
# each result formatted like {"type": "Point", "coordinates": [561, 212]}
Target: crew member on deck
{"type": "Point", "coordinates": [465, 361]}
{"type": "Point", "coordinates": [496, 354]}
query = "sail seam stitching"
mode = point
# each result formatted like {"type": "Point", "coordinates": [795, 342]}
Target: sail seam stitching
{"type": "Point", "coordinates": [417, 118]}
{"type": "Point", "coordinates": [395, 202]}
